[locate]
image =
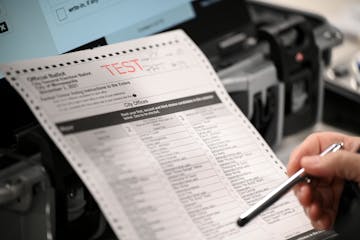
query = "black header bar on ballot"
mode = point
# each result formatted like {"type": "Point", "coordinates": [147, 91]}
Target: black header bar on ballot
{"type": "Point", "coordinates": [138, 113]}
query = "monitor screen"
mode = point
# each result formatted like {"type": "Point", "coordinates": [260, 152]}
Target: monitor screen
{"type": "Point", "coordinates": [39, 28]}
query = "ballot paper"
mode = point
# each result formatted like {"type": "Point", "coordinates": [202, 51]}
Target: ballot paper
{"type": "Point", "coordinates": [152, 133]}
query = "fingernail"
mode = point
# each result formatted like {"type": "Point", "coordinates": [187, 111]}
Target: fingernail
{"type": "Point", "coordinates": [300, 192]}
{"type": "Point", "coordinates": [296, 193]}
{"type": "Point", "coordinates": [319, 224]}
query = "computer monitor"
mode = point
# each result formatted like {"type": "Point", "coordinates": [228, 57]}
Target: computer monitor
{"type": "Point", "coordinates": [40, 28]}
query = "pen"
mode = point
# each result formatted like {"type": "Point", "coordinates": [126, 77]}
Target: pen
{"type": "Point", "coordinates": [274, 195]}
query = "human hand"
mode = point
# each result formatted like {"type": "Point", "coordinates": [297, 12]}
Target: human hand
{"type": "Point", "coordinates": [320, 199]}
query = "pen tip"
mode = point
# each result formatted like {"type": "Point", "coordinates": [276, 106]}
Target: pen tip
{"type": "Point", "coordinates": [242, 221]}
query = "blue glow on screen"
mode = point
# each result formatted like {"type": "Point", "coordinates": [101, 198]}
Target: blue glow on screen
{"type": "Point", "coordinates": [40, 28]}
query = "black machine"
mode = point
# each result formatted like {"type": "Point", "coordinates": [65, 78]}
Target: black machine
{"type": "Point", "coordinates": [270, 60]}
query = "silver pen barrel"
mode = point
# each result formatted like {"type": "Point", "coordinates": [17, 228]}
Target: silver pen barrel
{"type": "Point", "coordinates": [278, 192]}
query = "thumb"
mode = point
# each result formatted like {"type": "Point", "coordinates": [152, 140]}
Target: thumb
{"type": "Point", "coordinates": [341, 164]}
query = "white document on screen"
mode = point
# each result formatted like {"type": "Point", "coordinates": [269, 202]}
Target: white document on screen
{"type": "Point", "coordinates": [151, 131]}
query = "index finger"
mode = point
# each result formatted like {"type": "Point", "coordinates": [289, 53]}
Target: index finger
{"type": "Point", "coordinates": [314, 145]}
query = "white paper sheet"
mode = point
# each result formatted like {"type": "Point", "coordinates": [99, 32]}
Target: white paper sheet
{"type": "Point", "coordinates": [151, 131]}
